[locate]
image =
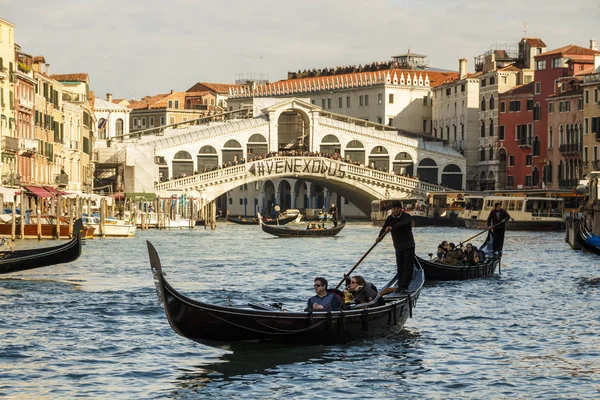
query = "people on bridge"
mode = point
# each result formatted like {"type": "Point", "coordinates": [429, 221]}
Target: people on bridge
{"type": "Point", "coordinates": [323, 300]}
{"type": "Point", "coordinates": [497, 224]}
{"type": "Point", "coordinates": [399, 224]}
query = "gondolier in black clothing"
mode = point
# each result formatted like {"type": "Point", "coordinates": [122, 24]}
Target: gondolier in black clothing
{"type": "Point", "coordinates": [497, 223]}
{"type": "Point", "coordinates": [333, 212]}
{"type": "Point", "coordinates": [400, 224]}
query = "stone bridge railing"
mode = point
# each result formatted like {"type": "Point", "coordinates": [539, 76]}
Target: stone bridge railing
{"type": "Point", "coordinates": [281, 167]}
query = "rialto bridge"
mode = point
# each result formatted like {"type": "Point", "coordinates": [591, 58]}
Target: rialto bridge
{"type": "Point", "coordinates": [296, 155]}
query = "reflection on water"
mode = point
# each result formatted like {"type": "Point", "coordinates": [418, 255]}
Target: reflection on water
{"type": "Point", "coordinates": [94, 328]}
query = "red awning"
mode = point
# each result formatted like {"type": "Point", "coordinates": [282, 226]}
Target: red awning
{"type": "Point", "coordinates": [54, 191]}
{"type": "Point", "coordinates": [38, 191]}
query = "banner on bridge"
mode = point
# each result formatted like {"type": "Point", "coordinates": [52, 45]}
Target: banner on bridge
{"type": "Point", "coordinates": [322, 166]}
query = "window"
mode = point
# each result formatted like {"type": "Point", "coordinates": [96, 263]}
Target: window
{"type": "Point", "coordinates": [538, 87]}
{"type": "Point", "coordinates": [501, 132]}
{"type": "Point", "coordinates": [462, 87]}
{"type": "Point", "coordinates": [540, 65]}
{"type": "Point", "coordinates": [537, 112]}
{"type": "Point", "coordinates": [530, 105]}
{"type": "Point", "coordinates": [550, 136]}
{"type": "Point", "coordinates": [595, 153]}
{"type": "Point", "coordinates": [502, 106]}
{"type": "Point", "coordinates": [391, 98]}
{"type": "Point", "coordinates": [390, 121]}
{"type": "Point", "coordinates": [170, 103]}
{"type": "Point", "coordinates": [491, 127]}
{"type": "Point", "coordinates": [483, 104]}
{"type": "Point", "coordinates": [550, 107]}
{"type": "Point", "coordinates": [587, 96]}
{"type": "Point", "coordinates": [483, 82]}
{"type": "Point", "coordinates": [379, 98]}
{"type": "Point", "coordinates": [448, 91]}
{"type": "Point", "coordinates": [510, 181]}
{"type": "Point", "coordinates": [527, 180]}
{"type": "Point", "coordinates": [596, 96]}
{"type": "Point", "coordinates": [313, 101]}
{"type": "Point", "coordinates": [151, 122]}
{"type": "Point", "coordinates": [177, 104]}
{"type": "Point", "coordinates": [462, 131]}
{"type": "Point", "coordinates": [162, 120]}
{"type": "Point", "coordinates": [340, 102]}
{"type": "Point", "coordinates": [366, 99]}
{"type": "Point", "coordinates": [171, 120]}
{"type": "Point", "coordinates": [514, 106]}
{"type": "Point", "coordinates": [424, 100]}
{"type": "Point", "coordinates": [482, 154]}
{"type": "Point", "coordinates": [492, 80]}
{"type": "Point", "coordinates": [585, 155]}
{"type": "Point", "coordinates": [323, 103]}
{"type": "Point", "coordinates": [328, 103]}
{"type": "Point", "coordinates": [425, 127]}
{"type": "Point", "coordinates": [511, 161]}
{"type": "Point", "coordinates": [491, 153]}
{"type": "Point", "coordinates": [585, 126]}
{"type": "Point", "coordinates": [528, 160]}
{"type": "Point", "coordinates": [482, 129]}
{"type": "Point", "coordinates": [557, 63]}
{"type": "Point", "coordinates": [492, 104]}
{"type": "Point", "coordinates": [347, 101]}
{"type": "Point", "coordinates": [379, 120]}
{"type": "Point", "coordinates": [580, 104]}
{"type": "Point", "coordinates": [360, 100]}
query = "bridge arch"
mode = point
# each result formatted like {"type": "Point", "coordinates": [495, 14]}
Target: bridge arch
{"type": "Point", "coordinates": [330, 144]}
{"type": "Point", "coordinates": [428, 171]}
{"type": "Point", "coordinates": [207, 159]}
{"type": "Point", "coordinates": [183, 164]}
{"type": "Point", "coordinates": [452, 177]}
{"type": "Point", "coordinates": [256, 146]}
{"type": "Point", "coordinates": [403, 164]}
{"type": "Point", "coordinates": [355, 151]}
{"type": "Point", "coordinates": [379, 158]}
{"type": "Point", "coordinates": [232, 151]}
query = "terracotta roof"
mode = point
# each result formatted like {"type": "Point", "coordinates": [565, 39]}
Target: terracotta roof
{"type": "Point", "coordinates": [535, 42]}
{"type": "Point", "coordinates": [570, 50]}
{"type": "Point", "coordinates": [510, 68]}
{"type": "Point", "coordinates": [213, 87]}
{"type": "Point", "coordinates": [37, 59]}
{"type": "Point", "coordinates": [519, 90]}
{"type": "Point", "coordinates": [436, 78]}
{"type": "Point", "coordinates": [190, 94]}
{"type": "Point", "coordinates": [146, 102]}
{"type": "Point", "coordinates": [569, 93]}
{"type": "Point", "coordinates": [77, 77]}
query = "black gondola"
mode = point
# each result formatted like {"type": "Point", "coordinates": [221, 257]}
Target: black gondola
{"type": "Point", "coordinates": [583, 237]}
{"type": "Point", "coordinates": [289, 231]}
{"type": "Point", "coordinates": [223, 325]}
{"type": "Point", "coordinates": [439, 271]}
{"type": "Point", "coordinates": [268, 221]}
{"type": "Point", "coordinates": [20, 260]}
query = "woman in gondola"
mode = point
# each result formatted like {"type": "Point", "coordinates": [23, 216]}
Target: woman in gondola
{"type": "Point", "coordinates": [360, 290]}
{"type": "Point", "coordinates": [469, 255]}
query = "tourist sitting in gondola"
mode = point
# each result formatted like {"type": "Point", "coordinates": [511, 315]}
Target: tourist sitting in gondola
{"type": "Point", "coordinates": [313, 225]}
{"type": "Point", "coordinates": [360, 290]}
{"type": "Point", "coordinates": [469, 255]}
{"type": "Point", "coordinates": [442, 250]}
{"type": "Point", "coordinates": [323, 300]}
{"type": "Point", "coordinates": [452, 256]}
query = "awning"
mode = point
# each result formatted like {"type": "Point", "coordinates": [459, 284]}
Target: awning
{"type": "Point", "coordinates": [38, 191]}
{"type": "Point", "coordinates": [54, 191]}
{"type": "Point", "coordinates": [9, 194]}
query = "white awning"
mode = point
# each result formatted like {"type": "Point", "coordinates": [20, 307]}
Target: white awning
{"type": "Point", "coordinates": [9, 193]}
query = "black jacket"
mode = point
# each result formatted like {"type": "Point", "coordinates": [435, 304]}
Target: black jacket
{"type": "Point", "coordinates": [401, 231]}
{"type": "Point", "coordinates": [496, 217]}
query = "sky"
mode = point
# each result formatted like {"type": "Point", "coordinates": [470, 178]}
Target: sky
{"type": "Point", "coordinates": [135, 48]}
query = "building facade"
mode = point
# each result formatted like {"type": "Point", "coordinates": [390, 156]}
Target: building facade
{"type": "Point", "coordinates": [7, 102]}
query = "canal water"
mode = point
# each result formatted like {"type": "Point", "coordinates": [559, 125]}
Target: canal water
{"type": "Point", "coordinates": [95, 329]}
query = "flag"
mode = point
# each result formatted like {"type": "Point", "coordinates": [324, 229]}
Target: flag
{"type": "Point", "coordinates": [101, 123]}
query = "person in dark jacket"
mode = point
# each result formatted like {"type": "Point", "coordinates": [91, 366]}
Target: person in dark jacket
{"type": "Point", "coordinates": [399, 224]}
{"type": "Point", "coordinates": [333, 213]}
{"type": "Point", "coordinates": [497, 223]}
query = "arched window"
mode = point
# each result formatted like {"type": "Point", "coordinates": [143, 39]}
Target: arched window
{"type": "Point", "coordinates": [550, 137]}
{"type": "Point", "coordinates": [483, 103]}
{"type": "Point", "coordinates": [492, 105]}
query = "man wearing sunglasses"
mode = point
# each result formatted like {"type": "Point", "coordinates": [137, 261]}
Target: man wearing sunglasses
{"type": "Point", "coordinates": [323, 300]}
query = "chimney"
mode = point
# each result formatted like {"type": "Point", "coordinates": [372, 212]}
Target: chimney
{"type": "Point", "coordinates": [462, 68]}
{"type": "Point", "coordinates": [172, 91]}
{"type": "Point", "coordinates": [47, 71]}
{"type": "Point", "coordinates": [109, 97]}
{"type": "Point", "coordinates": [593, 44]}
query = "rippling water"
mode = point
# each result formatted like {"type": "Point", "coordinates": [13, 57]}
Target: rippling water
{"type": "Point", "coordinates": [94, 328]}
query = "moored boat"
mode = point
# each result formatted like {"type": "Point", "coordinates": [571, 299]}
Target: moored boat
{"type": "Point", "coordinates": [588, 241]}
{"type": "Point", "coordinates": [20, 260]}
{"type": "Point", "coordinates": [267, 221]}
{"type": "Point", "coordinates": [221, 325]}
{"type": "Point", "coordinates": [437, 270]}
{"type": "Point", "coordinates": [112, 227]}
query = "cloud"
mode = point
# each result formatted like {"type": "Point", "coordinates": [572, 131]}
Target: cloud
{"type": "Point", "coordinates": [153, 46]}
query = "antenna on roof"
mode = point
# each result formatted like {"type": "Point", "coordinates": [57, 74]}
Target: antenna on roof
{"type": "Point", "coordinates": [525, 29]}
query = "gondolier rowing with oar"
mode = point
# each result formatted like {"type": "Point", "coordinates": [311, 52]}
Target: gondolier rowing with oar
{"type": "Point", "coordinates": [497, 223]}
{"type": "Point", "coordinates": [399, 223]}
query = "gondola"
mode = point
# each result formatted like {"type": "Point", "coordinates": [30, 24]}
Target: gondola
{"type": "Point", "coordinates": [223, 325]}
{"type": "Point", "coordinates": [587, 240]}
{"type": "Point", "coordinates": [439, 271]}
{"type": "Point", "coordinates": [289, 231]}
{"type": "Point", "coordinates": [20, 260]}
{"type": "Point", "coordinates": [268, 221]}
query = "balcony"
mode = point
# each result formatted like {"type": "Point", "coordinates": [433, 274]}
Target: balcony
{"type": "Point", "coordinates": [524, 141]}
{"type": "Point", "coordinates": [3, 74]}
{"type": "Point", "coordinates": [74, 145]}
{"type": "Point", "coordinates": [27, 147]}
{"type": "Point", "coordinates": [10, 144]}
{"type": "Point", "coordinates": [570, 149]}
{"type": "Point", "coordinates": [11, 179]}
{"type": "Point", "coordinates": [61, 180]}
{"type": "Point", "coordinates": [25, 103]}
{"type": "Point", "coordinates": [592, 78]}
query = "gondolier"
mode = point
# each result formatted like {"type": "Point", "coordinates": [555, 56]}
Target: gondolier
{"type": "Point", "coordinates": [399, 224]}
{"type": "Point", "coordinates": [497, 223]}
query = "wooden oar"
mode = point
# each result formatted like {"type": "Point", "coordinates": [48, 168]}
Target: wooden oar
{"type": "Point", "coordinates": [361, 259]}
{"type": "Point", "coordinates": [483, 231]}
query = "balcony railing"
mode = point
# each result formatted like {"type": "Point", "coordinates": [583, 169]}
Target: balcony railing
{"type": "Point", "coordinates": [591, 78]}
{"type": "Point", "coordinates": [25, 103]}
{"type": "Point", "coordinates": [74, 145]}
{"type": "Point", "coordinates": [524, 141]}
{"type": "Point", "coordinates": [27, 147]}
{"type": "Point", "coordinates": [570, 148]}
{"type": "Point", "coordinates": [61, 179]}
{"type": "Point", "coordinates": [10, 144]}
